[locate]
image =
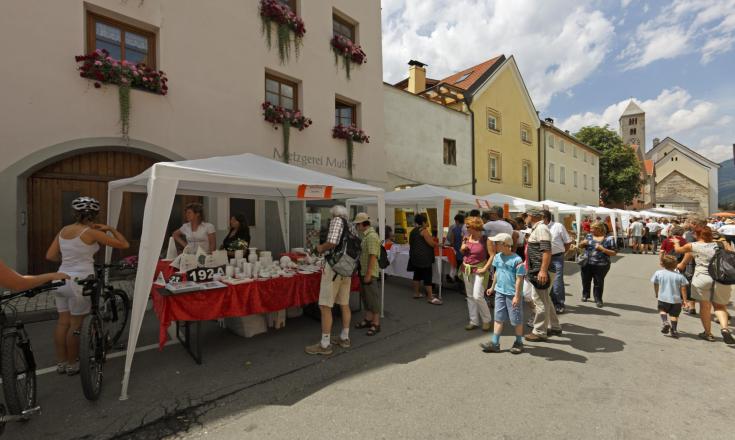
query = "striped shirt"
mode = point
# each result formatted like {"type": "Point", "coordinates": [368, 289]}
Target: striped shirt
{"type": "Point", "coordinates": [538, 242]}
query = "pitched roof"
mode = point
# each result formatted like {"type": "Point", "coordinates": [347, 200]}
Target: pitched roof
{"type": "Point", "coordinates": [684, 149]}
{"type": "Point", "coordinates": [632, 109]}
{"type": "Point", "coordinates": [468, 77]}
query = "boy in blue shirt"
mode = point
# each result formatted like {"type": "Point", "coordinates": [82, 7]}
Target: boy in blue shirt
{"type": "Point", "coordinates": [669, 287]}
{"type": "Point", "coordinates": [508, 288]}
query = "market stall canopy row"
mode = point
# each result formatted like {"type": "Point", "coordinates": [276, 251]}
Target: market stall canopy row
{"type": "Point", "coordinates": [245, 176]}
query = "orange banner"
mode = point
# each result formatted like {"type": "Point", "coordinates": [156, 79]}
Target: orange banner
{"type": "Point", "coordinates": [506, 210]}
{"type": "Point", "coordinates": [314, 192]}
{"type": "Point", "coordinates": [447, 207]}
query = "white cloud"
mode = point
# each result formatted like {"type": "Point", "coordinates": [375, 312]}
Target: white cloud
{"type": "Point", "coordinates": [716, 153]}
{"type": "Point", "coordinates": [624, 3]}
{"type": "Point", "coordinates": [557, 43]}
{"type": "Point", "coordinates": [706, 27]}
{"type": "Point", "coordinates": [697, 124]}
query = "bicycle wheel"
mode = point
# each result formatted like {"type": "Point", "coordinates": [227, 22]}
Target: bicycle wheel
{"type": "Point", "coordinates": [117, 313]}
{"type": "Point", "coordinates": [18, 373]}
{"type": "Point", "coordinates": [3, 411]}
{"type": "Point", "coordinates": [91, 356]}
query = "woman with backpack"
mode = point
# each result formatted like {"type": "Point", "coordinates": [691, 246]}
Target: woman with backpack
{"type": "Point", "coordinates": [475, 270]}
{"type": "Point", "coordinates": [706, 291]}
{"type": "Point", "coordinates": [421, 259]}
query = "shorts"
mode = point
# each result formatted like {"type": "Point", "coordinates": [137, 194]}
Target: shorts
{"type": "Point", "coordinates": [335, 291]}
{"type": "Point", "coordinates": [653, 238]}
{"type": "Point", "coordinates": [69, 298]}
{"type": "Point", "coordinates": [645, 239]}
{"type": "Point", "coordinates": [702, 290]}
{"type": "Point", "coordinates": [370, 296]}
{"type": "Point", "coordinates": [635, 240]}
{"type": "Point", "coordinates": [671, 309]}
{"type": "Point", "coordinates": [504, 310]}
{"type": "Point", "coordinates": [423, 274]}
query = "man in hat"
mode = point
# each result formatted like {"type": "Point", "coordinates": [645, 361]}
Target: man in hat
{"type": "Point", "coordinates": [495, 224]}
{"type": "Point", "coordinates": [545, 323]}
{"type": "Point", "coordinates": [728, 230]}
{"type": "Point", "coordinates": [369, 291]}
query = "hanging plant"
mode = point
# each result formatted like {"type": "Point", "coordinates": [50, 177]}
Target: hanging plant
{"type": "Point", "coordinates": [103, 69]}
{"type": "Point", "coordinates": [351, 135]}
{"type": "Point", "coordinates": [344, 48]}
{"type": "Point", "coordinates": [286, 118]}
{"type": "Point", "coordinates": [273, 12]}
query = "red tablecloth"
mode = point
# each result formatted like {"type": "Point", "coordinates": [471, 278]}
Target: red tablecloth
{"type": "Point", "coordinates": [449, 253]}
{"type": "Point", "coordinates": [239, 300]}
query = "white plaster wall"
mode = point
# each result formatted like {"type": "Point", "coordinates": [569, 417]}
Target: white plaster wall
{"type": "Point", "coordinates": [415, 130]}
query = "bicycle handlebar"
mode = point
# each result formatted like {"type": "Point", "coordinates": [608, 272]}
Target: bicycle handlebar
{"type": "Point", "coordinates": [30, 293]}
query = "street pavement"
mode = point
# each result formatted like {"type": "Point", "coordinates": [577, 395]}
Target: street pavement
{"type": "Point", "coordinates": [612, 375]}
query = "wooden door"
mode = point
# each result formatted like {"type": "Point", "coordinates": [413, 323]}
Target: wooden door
{"type": "Point", "coordinates": [51, 190]}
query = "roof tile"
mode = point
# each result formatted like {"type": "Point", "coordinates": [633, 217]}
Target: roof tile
{"type": "Point", "coordinates": [470, 75]}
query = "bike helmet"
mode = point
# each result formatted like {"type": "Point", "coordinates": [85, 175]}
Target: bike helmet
{"type": "Point", "coordinates": [85, 204]}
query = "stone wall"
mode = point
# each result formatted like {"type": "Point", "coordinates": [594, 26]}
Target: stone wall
{"type": "Point", "coordinates": [676, 186]}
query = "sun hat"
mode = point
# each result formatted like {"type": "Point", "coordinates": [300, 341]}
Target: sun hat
{"type": "Point", "coordinates": [502, 237]}
{"type": "Point", "coordinates": [361, 217]}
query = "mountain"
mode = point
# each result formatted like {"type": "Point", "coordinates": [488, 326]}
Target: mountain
{"type": "Point", "coordinates": [727, 182]}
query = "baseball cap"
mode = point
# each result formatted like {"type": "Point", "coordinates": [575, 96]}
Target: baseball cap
{"type": "Point", "coordinates": [502, 237]}
{"type": "Point", "coordinates": [361, 217]}
{"type": "Point", "coordinates": [535, 212]}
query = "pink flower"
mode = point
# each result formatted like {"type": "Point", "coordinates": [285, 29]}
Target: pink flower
{"type": "Point", "coordinates": [98, 63]}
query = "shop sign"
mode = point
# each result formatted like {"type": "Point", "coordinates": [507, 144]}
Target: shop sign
{"type": "Point", "coordinates": [314, 192]}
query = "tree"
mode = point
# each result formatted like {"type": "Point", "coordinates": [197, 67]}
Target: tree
{"type": "Point", "coordinates": [620, 171]}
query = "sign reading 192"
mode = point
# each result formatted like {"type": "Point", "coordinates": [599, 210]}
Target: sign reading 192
{"type": "Point", "coordinates": [202, 274]}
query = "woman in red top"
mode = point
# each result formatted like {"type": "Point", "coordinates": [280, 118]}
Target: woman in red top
{"type": "Point", "coordinates": [586, 225]}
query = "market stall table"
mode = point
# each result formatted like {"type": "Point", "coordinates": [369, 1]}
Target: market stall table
{"type": "Point", "coordinates": [398, 257]}
{"type": "Point", "coordinates": [256, 297]}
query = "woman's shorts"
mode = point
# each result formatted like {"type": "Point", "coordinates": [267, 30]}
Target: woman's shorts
{"type": "Point", "coordinates": [423, 274]}
{"type": "Point", "coordinates": [69, 299]}
{"type": "Point", "coordinates": [702, 290]}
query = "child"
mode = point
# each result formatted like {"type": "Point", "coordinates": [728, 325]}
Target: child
{"type": "Point", "coordinates": [508, 288]}
{"type": "Point", "coordinates": [670, 289]}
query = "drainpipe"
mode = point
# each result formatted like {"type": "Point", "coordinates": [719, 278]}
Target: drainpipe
{"type": "Point", "coordinates": [468, 101]}
{"type": "Point", "coordinates": [541, 166]}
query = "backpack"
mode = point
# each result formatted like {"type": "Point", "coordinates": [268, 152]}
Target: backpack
{"type": "Point", "coordinates": [383, 257]}
{"type": "Point", "coordinates": [345, 259]}
{"type": "Point", "coordinates": [722, 266]}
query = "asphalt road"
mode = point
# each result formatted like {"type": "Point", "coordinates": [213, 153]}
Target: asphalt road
{"type": "Point", "coordinates": [612, 375]}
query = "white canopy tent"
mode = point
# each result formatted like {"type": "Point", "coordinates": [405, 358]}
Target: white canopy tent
{"type": "Point", "coordinates": [516, 204]}
{"type": "Point", "coordinates": [612, 213]}
{"type": "Point", "coordinates": [655, 214]}
{"type": "Point", "coordinates": [673, 211]}
{"type": "Point", "coordinates": [426, 196]}
{"type": "Point", "coordinates": [244, 176]}
{"type": "Point", "coordinates": [578, 211]}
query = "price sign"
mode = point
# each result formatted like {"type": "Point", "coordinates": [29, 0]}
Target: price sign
{"type": "Point", "coordinates": [203, 274]}
{"type": "Point", "coordinates": [314, 192]}
{"type": "Point", "coordinates": [176, 278]}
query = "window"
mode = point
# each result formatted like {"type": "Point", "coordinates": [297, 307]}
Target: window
{"type": "Point", "coordinates": [592, 184]}
{"type": "Point", "coordinates": [493, 120]}
{"type": "Point", "coordinates": [463, 77]}
{"type": "Point", "coordinates": [526, 173]}
{"type": "Point", "coordinates": [632, 121]}
{"type": "Point", "coordinates": [584, 181]}
{"type": "Point", "coordinates": [525, 133]}
{"type": "Point", "coordinates": [561, 145]}
{"type": "Point", "coordinates": [551, 172]}
{"type": "Point", "coordinates": [563, 175]}
{"type": "Point", "coordinates": [122, 41]}
{"type": "Point", "coordinates": [574, 175]}
{"type": "Point", "coordinates": [345, 113]}
{"type": "Point", "coordinates": [450, 152]}
{"type": "Point", "coordinates": [584, 155]}
{"type": "Point", "coordinates": [342, 27]}
{"type": "Point", "coordinates": [574, 151]}
{"type": "Point", "coordinates": [493, 166]}
{"type": "Point", "coordinates": [551, 141]}
{"type": "Point", "coordinates": [592, 159]}
{"type": "Point", "coordinates": [632, 131]}
{"type": "Point", "coordinates": [281, 92]}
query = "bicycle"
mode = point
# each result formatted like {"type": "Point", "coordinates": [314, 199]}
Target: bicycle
{"type": "Point", "coordinates": [17, 363]}
{"type": "Point", "coordinates": [101, 329]}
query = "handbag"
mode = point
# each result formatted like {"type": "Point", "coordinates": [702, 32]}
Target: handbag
{"type": "Point", "coordinates": [582, 259]}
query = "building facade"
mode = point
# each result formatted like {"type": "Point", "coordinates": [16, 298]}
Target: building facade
{"type": "Point", "coordinates": [426, 143]}
{"type": "Point", "coordinates": [61, 137]}
{"type": "Point", "coordinates": [684, 178]}
{"type": "Point", "coordinates": [572, 168]}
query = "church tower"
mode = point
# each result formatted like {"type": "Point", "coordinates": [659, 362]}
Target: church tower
{"type": "Point", "coordinates": [633, 126]}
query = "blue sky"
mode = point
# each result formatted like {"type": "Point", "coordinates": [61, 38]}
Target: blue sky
{"type": "Point", "coordinates": [584, 60]}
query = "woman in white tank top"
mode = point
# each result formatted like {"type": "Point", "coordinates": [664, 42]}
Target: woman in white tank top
{"type": "Point", "coordinates": [75, 247]}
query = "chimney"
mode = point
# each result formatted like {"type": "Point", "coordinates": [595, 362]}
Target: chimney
{"type": "Point", "coordinates": [550, 120]}
{"type": "Point", "coordinates": [656, 141]}
{"type": "Point", "coordinates": [416, 77]}
{"type": "Point", "coordinates": [566, 131]}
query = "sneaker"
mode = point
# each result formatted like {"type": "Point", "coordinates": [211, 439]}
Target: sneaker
{"type": "Point", "coordinates": [674, 334]}
{"type": "Point", "coordinates": [529, 324]}
{"type": "Point", "coordinates": [489, 347]}
{"type": "Point", "coordinates": [533, 337]}
{"type": "Point", "coordinates": [665, 329]}
{"type": "Point", "coordinates": [584, 300]}
{"type": "Point", "coordinates": [517, 348]}
{"type": "Point", "coordinates": [599, 304]}
{"type": "Point", "coordinates": [727, 337]}
{"type": "Point", "coordinates": [344, 343]}
{"type": "Point", "coordinates": [554, 332]}
{"type": "Point", "coordinates": [559, 310]}
{"type": "Point", "coordinates": [486, 327]}
{"type": "Point", "coordinates": [318, 349]}
{"type": "Point", "coordinates": [61, 368]}
{"type": "Point", "coordinates": [72, 370]}
{"type": "Point", "coordinates": [471, 326]}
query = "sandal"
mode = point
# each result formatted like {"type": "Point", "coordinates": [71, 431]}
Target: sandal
{"type": "Point", "coordinates": [374, 329]}
{"type": "Point", "coordinates": [364, 324]}
{"type": "Point", "coordinates": [707, 337]}
{"type": "Point", "coordinates": [435, 301]}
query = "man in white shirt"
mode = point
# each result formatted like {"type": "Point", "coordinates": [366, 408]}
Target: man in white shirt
{"type": "Point", "coordinates": [654, 230]}
{"type": "Point", "coordinates": [495, 224]}
{"type": "Point", "coordinates": [560, 243]}
{"type": "Point", "coordinates": [728, 230]}
{"type": "Point", "coordinates": [635, 232]}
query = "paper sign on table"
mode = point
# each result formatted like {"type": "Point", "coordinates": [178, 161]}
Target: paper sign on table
{"type": "Point", "coordinates": [314, 192]}
{"type": "Point", "coordinates": [171, 253]}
